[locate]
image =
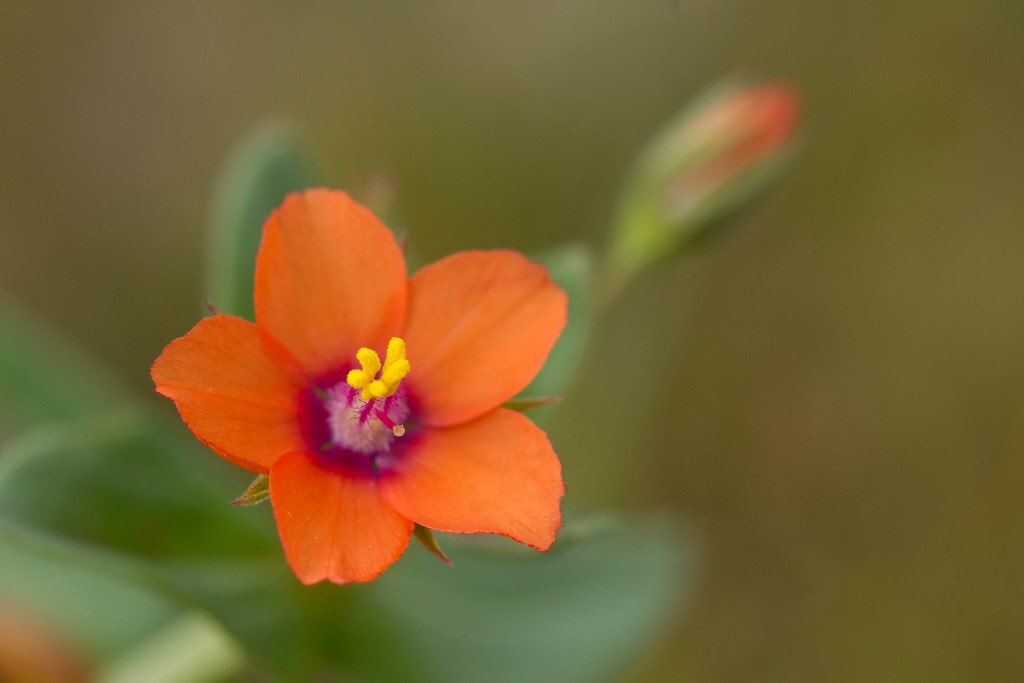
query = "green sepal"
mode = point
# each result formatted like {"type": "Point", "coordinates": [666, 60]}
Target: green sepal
{"type": "Point", "coordinates": [427, 539]}
{"type": "Point", "coordinates": [523, 404]}
{"type": "Point", "coordinates": [257, 492]}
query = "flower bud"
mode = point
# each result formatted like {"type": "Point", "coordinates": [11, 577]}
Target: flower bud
{"type": "Point", "coordinates": [719, 153]}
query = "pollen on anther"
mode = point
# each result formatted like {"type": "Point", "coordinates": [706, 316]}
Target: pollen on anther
{"type": "Point", "coordinates": [392, 371]}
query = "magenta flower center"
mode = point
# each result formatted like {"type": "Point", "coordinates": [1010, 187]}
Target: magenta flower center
{"type": "Point", "coordinates": [364, 426]}
{"type": "Point", "coordinates": [364, 437]}
{"type": "Point", "coordinates": [354, 417]}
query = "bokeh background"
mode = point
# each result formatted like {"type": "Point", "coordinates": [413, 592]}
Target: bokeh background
{"type": "Point", "coordinates": [830, 393]}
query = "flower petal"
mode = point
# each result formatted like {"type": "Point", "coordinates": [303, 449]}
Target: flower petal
{"type": "Point", "coordinates": [480, 325]}
{"type": "Point", "coordinates": [234, 389]}
{"type": "Point", "coordinates": [330, 278]}
{"type": "Point", "coordinates": [333, 526]}
{"type": "Point", "coordinates": [496, 474]}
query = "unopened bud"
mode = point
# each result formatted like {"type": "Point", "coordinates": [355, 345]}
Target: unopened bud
{"type": "Point", "coordinates": [719, 153]}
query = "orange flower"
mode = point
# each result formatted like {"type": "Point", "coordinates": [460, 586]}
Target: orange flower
{"type": "Point", "coordinates": [358, 451]}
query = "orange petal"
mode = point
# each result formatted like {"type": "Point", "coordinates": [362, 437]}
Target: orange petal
{"type": "Point", "coordinates": [234, 390]}
{"type": "Point", "coordinates": [480, 325]}
{"type": "Point", "coordinates": [333, 526]}
{"type": "Point", "coordinates": [497, 474]}
{"type": "Point", "coordinates": [330, 278]}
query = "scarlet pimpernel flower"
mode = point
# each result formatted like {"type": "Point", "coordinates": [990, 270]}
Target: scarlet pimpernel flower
{"type": "Point", "coordinates": [358, 449]}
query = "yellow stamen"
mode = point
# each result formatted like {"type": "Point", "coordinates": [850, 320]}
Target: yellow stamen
{"type": "Point", "coordinates": [357, 379]}
{"type": "Point", "coordinates": [396, 367]}
{"type": "Point", "coordinates": [369, 359]}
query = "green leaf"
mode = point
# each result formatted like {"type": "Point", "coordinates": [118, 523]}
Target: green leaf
{"type": "Point", "coordinates": [44, 379]}
{"type": "Point", "coordinates": [268, 164]}
{"type": "Point", "coordinates": [119, 482]}
{"type": "Point", "coordinates": [106, 606]}
{"type": "Point", "coordinates": [194, 648]}
{"type": "Point", "coordinates": [122, 484]}
{"type": "Point", "coordinates": [125, 617]}
{"type": "Point", "coordinates": [581, 612]}
{"type": "Point", "coordinates": [260, 603]}
{"type": "Point", "coordinates": [571, 266]}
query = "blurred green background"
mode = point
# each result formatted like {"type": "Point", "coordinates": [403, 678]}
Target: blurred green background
{"type": "Point", "coordinates": [831, 391]}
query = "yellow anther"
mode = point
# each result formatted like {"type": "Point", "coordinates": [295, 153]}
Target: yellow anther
{"type": "Point", "coordinates": [396, 367]}
{"type": "Point", "coordinates": [357, 379]}
{"type": "Point", "coordinates": [394, 373]}
{"type": "Point", "coordinates": [376, 388]}
{"type": "Point", "coordinates": [370, 361]}
{"type": "Point", "coordinates": [396, 351]}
